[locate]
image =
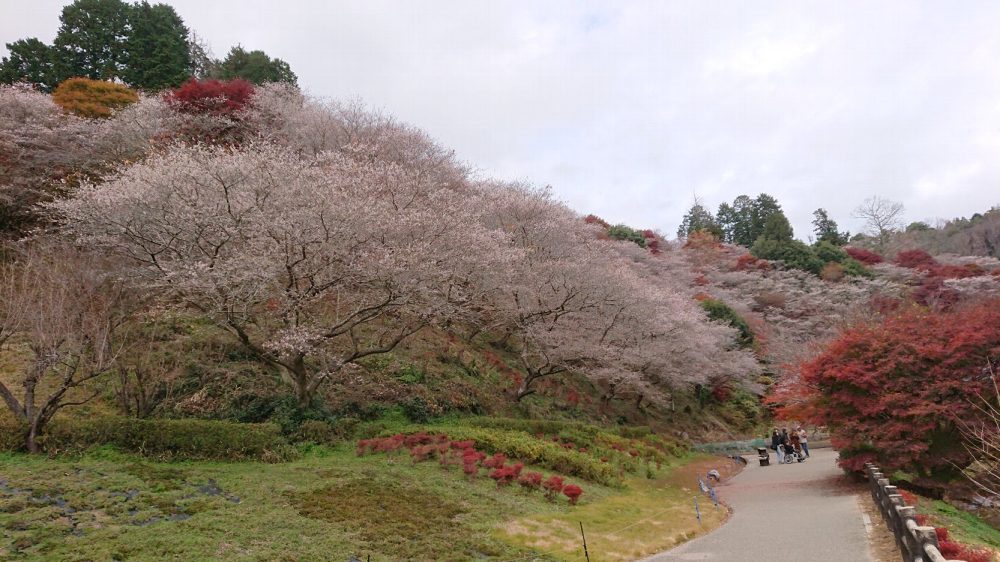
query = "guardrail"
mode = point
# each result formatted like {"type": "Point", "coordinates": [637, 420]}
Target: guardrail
{"type": "Point", "coordinates": [916, 543]}
{"type": "Point", "coordinates": [730, 447]}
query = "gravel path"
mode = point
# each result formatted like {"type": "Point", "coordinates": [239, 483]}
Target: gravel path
{"type": "Point", "coordinates": [784, 512]}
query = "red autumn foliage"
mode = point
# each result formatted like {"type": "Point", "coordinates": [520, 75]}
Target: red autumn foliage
{"type": "Point", "coordinates": [573, 492]}
{"type": "Point", "coordinates": [421, 453]}
{"type": "Point", "coordinates": [915, 259]}
{"type": "Point", "coordinates": [553, 485]}
{"type": "Point", "coordinates": [496, 461]}
{"type": "Point", "coordinates": [721, 390]}
{"type": "Point", "coordinates": [423, 446]}
{"type": "Point", "coordinates": [211, 96]}
{"type": "Point", "coordinates": [864, 256]}
{"type": "Point", "coordinates": [933, 292]}
{"type": "Point", "coordinates": [594, 219]}
{"type": "Point", "coordinates": [954, 550]}
{"type": "Point", "coordinates": [894, 391]}
{"type": "Point", "coordinates": [652, 241]}
{"type": "Point", "coordinates": [749, 262]}
{"type": "Point", "coordinates": [531, 480]}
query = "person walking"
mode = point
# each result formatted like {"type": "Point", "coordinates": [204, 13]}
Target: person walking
{"type": "Point", "coordinates": [776, 446]}
{"type": "Point", "coordinates": [804, 440]}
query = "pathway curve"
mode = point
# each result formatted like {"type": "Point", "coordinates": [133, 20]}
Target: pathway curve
{"type": "Point", "coordinates": [784, 512]}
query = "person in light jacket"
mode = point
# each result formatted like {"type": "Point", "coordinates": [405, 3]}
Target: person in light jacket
{"type": "Point", "coordinates": [804, 440]}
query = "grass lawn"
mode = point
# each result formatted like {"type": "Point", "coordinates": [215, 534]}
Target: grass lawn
{"type": "Point", "coordinates": [328, 505]}
{"type": "Point", "coordinates": [962, 526]}
{"type": "Point", "coordinates": [650, 516]}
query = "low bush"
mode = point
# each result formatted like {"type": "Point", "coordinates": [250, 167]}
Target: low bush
{"type": "Point", "coordinates": [573, 492]}
{"type": "Point", "coordinates": [320, 432]}
{"type": "Point", "coordinates": [92, 98]}
{"type": "Point", "coordinates": [623, 232]}
{"type": "Point", "coordinates": [864, 256]}
{"type": "Point", "coordinates": [530, 480]}
{"type": "Point", "coordinates": [170, 439]}
{"type": "Point", "coordinates": [916, 259]}
{"type": "Point", "coordinates": [12, 435]}
{"type": "Point", "coordinates": [722, 312]}
{"type": "Point", "coordinates": [553, 486]}
{"type": "Point", "coordinates": [519, 445]}
{"type": "Point", "coordinates": [211, 96]}
{"type": "Point", "coordinates": [794, 254]}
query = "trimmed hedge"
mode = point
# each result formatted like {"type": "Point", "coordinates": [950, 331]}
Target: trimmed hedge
{"type": "Point", "coordinates": [162, 439]}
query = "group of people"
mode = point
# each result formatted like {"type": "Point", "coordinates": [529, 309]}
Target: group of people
{"type": "Point", "coordinates": [789, 446]}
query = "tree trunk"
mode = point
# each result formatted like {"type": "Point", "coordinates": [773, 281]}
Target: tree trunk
{"type": "Point", "coordinates": [523, 389]}
{"type": "Point", "coordinates": [31, 441]}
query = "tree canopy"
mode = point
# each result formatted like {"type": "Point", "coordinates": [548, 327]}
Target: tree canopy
{"type": "Point", "coordinates": [146, 46]}
{"type": "Point", "coordinates": [255, 67]}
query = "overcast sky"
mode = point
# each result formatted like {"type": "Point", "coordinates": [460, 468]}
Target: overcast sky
{"type": "Point", "coordinates": [631, 109]}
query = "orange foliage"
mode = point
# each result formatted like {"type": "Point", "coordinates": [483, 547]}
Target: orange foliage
{"type": "Point", "coordinates": [92, 98]}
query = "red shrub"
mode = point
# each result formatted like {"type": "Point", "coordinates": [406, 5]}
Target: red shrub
{"type": "Point", "coordinates": [573, 492]}
{"type": "Point", "coordinates": [496, 461]}
{"type": "Point", "coordinates": [362, 447]}
{"type": "Point", "coordinates": [531, 480]}
{"type": "Point", "coordinates": [909, 498]}
{"type": "Point", "coordinates": [420, 438]}
{"type": "Point", "coordinates": [421, 453]}
{"type": "Point", "coordinates": [553, 486]}
{"type": "Point", "coordinates": [956, 271]}
{"type": "Point", "coordinates": [864, 256]}
{"type": "Point", "coordinates": [954, 550]}
{"type": "Point", "coordinates": [749, 262]}
{"type": "Point", "coordinates": [916, 259]}
{"type": "Point", "coordinates": [473, 456]}
{"type": "Point", "coordinates": [507, 474]}
{"type": "Point", "coordinates": [463, 445]}
{"type": "Point", "coordinates": [594, 219]}
{"type": "Point", "coordinates": [934, 293]}
{"type": "Point", "coordinates": [211, 96]}
{"type": "Point", "coordinates": [471, 469]}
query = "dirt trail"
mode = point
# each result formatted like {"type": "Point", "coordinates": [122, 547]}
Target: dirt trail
{"type": "Point", "coordinates": [801, 511]}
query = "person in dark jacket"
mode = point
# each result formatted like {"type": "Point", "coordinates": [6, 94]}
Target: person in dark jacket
{"type": "Point", "coordinates": [776, 446]}
{"type": "Point", "coordinates": [784, 439]}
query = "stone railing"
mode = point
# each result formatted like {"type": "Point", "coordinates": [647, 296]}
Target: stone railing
{"type": "Point", "coordinates": [917, 543]}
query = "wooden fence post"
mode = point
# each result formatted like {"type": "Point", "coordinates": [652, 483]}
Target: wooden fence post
{"type": "Point", "coordinates": [916, 543]}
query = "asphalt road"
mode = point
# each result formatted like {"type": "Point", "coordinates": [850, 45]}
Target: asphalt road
{"type": "Point", "coordinates": [796, 512]}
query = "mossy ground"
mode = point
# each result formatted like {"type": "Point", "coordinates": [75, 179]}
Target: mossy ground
{"type": "Point", "coordinates": [328, 505]}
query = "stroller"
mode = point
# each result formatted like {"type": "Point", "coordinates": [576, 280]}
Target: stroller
{"type": "Point", "coordinates": [792, 454]}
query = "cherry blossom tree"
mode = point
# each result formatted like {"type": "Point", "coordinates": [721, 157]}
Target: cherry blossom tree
{"type": "Point", "coordinates": [311, 264]}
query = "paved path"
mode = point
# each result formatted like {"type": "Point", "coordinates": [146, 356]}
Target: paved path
{"type": "Point", "coordinates": [784, 512]}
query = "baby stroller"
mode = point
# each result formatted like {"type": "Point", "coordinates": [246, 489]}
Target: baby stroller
{"type": "Point", "coordinates": [791, 454]}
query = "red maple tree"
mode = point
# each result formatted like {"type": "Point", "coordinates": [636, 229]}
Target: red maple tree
{"type": "Point", "coordinates": [895, 391]}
